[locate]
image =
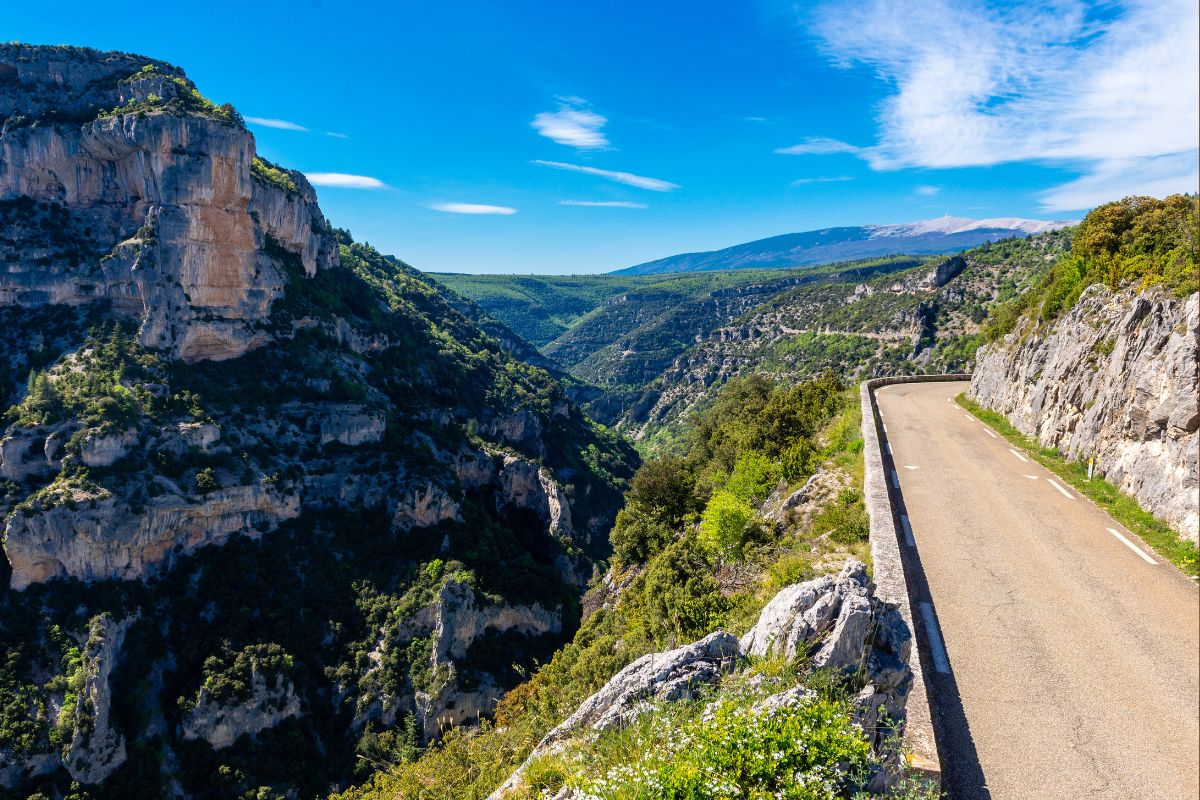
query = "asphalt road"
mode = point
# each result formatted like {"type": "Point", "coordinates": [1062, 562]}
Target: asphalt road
{"type": "Point", "coordinates": [1071, 664]}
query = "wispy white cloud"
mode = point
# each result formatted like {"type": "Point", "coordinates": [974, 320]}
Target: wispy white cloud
{"type": "Point", "coordinates": [574, 124]}
{"type": "Point", "coordinates": [819, 146]}
{"type": "Point", "coordinates": [602, 203]}
{"type": "Point", "coordinates": [1115, 178]}
{"type": "Point", "coordinates": [928, 191]}
{"type": "Point", "coordinates": [627, 178]}
{"type": "Point", "coordinates": [280, 124]}
{"type": "Point", "coordinates": [821, 179]}
{"type": "Point", "coordinates": [343, 181]}
{"type": "Point", "coordinates": [471, 208]}
{"type": "Point", "coordinates": [1111, 91]}
{"type": "Point", "coordinates": [337, 135]}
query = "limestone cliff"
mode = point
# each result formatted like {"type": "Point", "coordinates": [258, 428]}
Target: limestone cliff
{"type": "Point", "coordinates": [1114, 379]}
{"type": "Point", "coordinates": [119, 183]}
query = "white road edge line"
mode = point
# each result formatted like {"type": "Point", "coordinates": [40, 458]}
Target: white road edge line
{"type": "Point", "coordinates": [940, 662]}
{"type": "Point", "coordinates": [1061, 490]}
{"type": "Point", "coordinates": [888, 445]}
{"type": "Point", "coordinates": [1132, 546]}
{"type": "Point", "coordinates": [908, 537]}
{"type": "Point", "coordinates": [989, 433]}
{"type": "Point", "coordinates": [895, 480]}
{"type": "Point", "coordinates": [1018, 455]}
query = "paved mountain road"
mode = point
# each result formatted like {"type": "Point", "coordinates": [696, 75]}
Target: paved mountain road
{"type": "Point", "coordinates": [1071, 662]}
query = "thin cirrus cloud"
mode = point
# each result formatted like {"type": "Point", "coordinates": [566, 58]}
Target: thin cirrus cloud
{"type": "Point", "coordinates": [574, 125]}
{"type": "Point", "coordinates": [471, 208]}
{"type": "Point", "coordinates": [602, 204]}
{"type": "Point", "coordinates": [341, 180]}
{"type": "Point", "coordinates": [928, 191]}
{"type": "Point", "coordinates": [337, 135]}
{"type": "Point", "coordinates": [1107, 94]}
{"type": "Point", "coordinates": [278, 124]}
{"type": "Point", "coordinates": [819, 146]}
{"type": "Point", "coordinates": [627, 178]}
{"type": "Point", "coordinates": [821, 179]}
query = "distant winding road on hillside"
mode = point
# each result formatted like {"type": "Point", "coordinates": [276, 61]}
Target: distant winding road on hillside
{"type": "Point", "coordinates": [1062, 655]}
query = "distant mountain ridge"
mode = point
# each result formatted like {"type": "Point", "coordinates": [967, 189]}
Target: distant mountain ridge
{"type": "Point", "coordinates": [924, 237]}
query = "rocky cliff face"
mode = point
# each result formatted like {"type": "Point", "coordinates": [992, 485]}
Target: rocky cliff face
{"type": "Point", "coordinates": [1114, 379]}
{"type": "Point", "coordinates": [369, 486]}
{"type": "Point", "coordinates": [222, 724]}
{"type": "Point", "coordinates": [165, 216]}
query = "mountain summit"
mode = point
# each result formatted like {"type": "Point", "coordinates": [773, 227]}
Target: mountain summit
{"type": "Point", "coordinates": [940, 235]}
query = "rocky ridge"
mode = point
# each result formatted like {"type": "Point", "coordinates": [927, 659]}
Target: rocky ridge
{"type": "Point", "coordinates": [922, 319]}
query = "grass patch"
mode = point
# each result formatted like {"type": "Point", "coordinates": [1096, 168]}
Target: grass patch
{"type": "Point", "coordinates": [1123, 508]}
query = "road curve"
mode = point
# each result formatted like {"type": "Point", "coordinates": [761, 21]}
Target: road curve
{"type": "Point", "coordinates": [1071, 663]}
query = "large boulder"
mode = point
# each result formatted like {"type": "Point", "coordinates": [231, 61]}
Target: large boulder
{"type": "Point", "coordinates": [671, 676]}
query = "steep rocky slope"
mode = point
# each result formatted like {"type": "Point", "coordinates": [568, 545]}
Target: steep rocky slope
{"type": "Point", "coordinates": [1098, 359]}
{"type": "Point", "coordinates": [269, 497]}
{"type": "Point", "coordinates": [1115, 380]}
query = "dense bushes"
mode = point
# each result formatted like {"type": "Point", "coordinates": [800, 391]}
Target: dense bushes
{"type": "Point", "coordinates": [1138, 240]}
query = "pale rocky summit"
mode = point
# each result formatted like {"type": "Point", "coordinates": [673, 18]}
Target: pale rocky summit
{"type": "Point", "coordinates": [159, 212]}
{"type": "Point", "coordinates": [1115, 380]}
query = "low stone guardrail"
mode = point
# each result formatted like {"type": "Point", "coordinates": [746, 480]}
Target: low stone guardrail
{"type": "Point", "coordinates": [888, 565]}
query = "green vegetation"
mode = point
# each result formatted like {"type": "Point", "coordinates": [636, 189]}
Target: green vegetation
{"type": "Point", "coordinates": [679, 586]}
{"type": "Point", "coordinates": [1138, 240]}
{"type": "Point", "coordinates": [719, 748]}
{"type": "Point", "coordinates": [228, 676]}
{"type": "Point", "coordinates": [273, 174]}
{"type": "Point", "coordinates": [1123, 508]}
{"type": "Point", "coordinates": [185, 99]}
{"type": "Point", "coordinates": [101, 385]}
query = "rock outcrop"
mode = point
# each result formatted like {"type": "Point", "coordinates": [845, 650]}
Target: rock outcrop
{"type": "Point", "coordinates": [222, 724]}
{"type": "Point", "coordinates": [94, 536]}
{"type": "Point", "coordinates": [172, 223]}
{"type": "Point", "coordinates": [671, 676]}
{"type": "Point", "coordinates": [1114, 379]}
{"type": "Point", "coordinates": [836, 621]}
{"type": "Point", "coordinates": [96, 748]}
{"type": "Point", "coordinates": [840, 625]}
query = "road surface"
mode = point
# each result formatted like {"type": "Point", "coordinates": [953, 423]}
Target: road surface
{"type": "Point", "coordinates": [1062, 655]}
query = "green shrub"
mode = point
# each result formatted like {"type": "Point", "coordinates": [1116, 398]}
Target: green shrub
{"type": "Point", "coordinates": [723, 526]}
{"type": "Point", "coordinates": [811, 751]}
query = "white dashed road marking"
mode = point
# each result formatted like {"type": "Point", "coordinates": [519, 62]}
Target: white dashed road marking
{"type": "Point", "coordinates": [1132, 546]}
{"type": "Point", "coordinates": [989, 433]}
{"type": "Point", "coordinates": [940, 662]}
{"type": "Point", "coordinates": [1032, 477]}
{"type": "Point", "coordinates": [1018, 455]}
{"type": "Point", "coordinates": [908, 537]}
{"type": "Point", "coordinates": [911, 466]}
{"type": "Point", "coordinates": [1061, 490]}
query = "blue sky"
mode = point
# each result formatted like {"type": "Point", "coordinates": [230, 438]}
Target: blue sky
{"type": "Point", "coordinates": [588, 136]}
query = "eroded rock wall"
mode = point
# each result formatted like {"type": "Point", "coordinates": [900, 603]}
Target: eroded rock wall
{"type": "Point", "coordinates": [168, 220]}
{"type": "Point", "coordinates": [1114, 379]}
